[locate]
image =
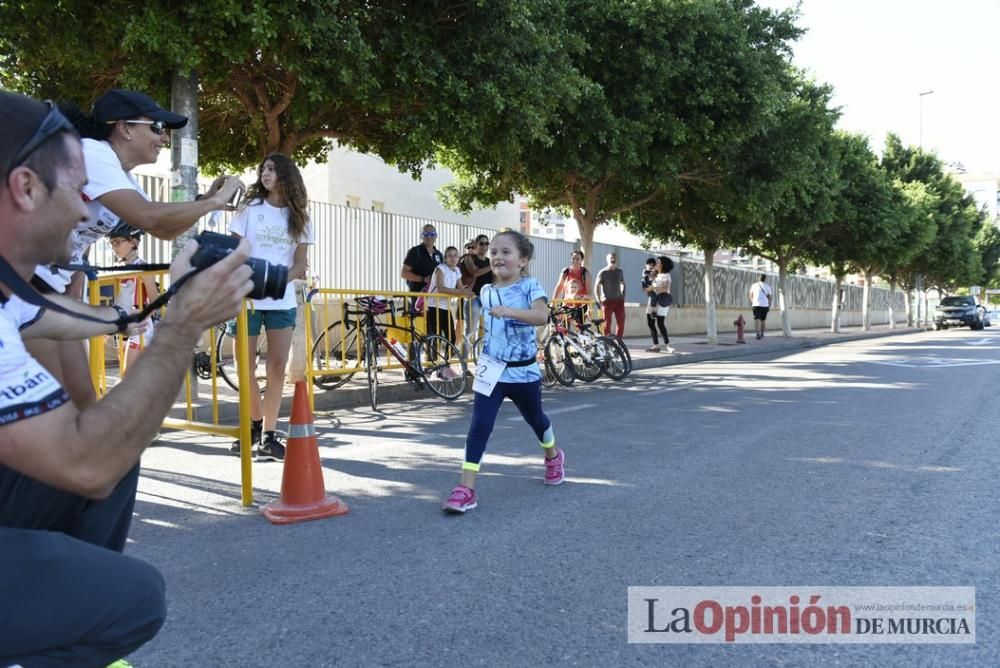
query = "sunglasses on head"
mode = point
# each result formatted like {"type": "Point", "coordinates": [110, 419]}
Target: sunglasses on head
{"type": "Point", "coordinates": [53, 123]}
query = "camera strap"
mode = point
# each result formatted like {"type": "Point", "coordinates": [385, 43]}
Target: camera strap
{"type": "Point", "coordinates": [27, 293]}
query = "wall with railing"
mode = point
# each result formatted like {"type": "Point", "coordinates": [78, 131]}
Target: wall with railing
{"type": "Point", "coordinates": [363, 249]}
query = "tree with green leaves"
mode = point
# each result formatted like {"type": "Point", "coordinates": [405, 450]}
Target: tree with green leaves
{"type": "Point", "coordinates": [952, 259]}
{"type": "Point", "coordinates": [664, 85]}
{"type": "Point", "coordinates": [987, 242]}
{"type": "Point", "coordinates": [398, 79]}
{"type": "Point", "coordinates": [789, 183]}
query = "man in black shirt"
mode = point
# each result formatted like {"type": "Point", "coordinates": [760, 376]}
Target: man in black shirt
{"type": "Point", "coordinates": [421, 261]}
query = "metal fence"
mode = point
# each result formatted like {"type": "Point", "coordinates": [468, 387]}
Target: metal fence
{"type": "Point", "coordinates": [363, 250]}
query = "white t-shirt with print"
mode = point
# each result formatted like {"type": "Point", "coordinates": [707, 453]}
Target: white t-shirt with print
{"type": "Point", "coordinates": [104, 175]}
{"type": "Point", "coordinates": [451, 280]}
{"type": "Point", "coordinates": [760, 294]}
{"type": "Point", "coordinates": [27, 389]}
{"type": "Point", "coordinates": [266, 228]}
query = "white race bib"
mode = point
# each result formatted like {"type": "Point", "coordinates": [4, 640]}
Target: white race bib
{"type": "Point", "coordinates": [488, 372]}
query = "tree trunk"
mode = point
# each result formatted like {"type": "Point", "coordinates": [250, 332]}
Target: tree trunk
{"type": "Point", "coordinates": [710, 322]}
{"type": "Point", "coordinates": [918, 301]}
{"type": "Point", "coordinates": [866, 302]}
{"type": "Point", "coordinates": [892, 305]}
{"type": "Point", "coordinates": [835, 316]}
{"type": "Point", "coordinates": [184, 165]}
{"type": "Point", "coordinates": [586, 226]}
{"type": "Point", "coordinates": [908, 305]}
{"type": "Point", "coordinates": [184, 148]}
{"type": "Point", "coordinates": [786, 317]}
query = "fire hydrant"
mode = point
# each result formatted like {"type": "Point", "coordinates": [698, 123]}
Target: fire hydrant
{"type": "Point", "coordinates": [740, 323]}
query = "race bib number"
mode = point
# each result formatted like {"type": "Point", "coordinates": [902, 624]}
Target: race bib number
{"type": "Point", "coordinates": [488, 372]}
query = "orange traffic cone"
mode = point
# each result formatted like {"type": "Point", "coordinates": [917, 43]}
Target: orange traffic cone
{"type": "Point", "coordinates": [303, 495]}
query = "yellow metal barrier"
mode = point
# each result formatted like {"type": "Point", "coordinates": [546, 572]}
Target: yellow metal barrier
{"type": "Point", "coordinates": [332, 320]}
{"type": "Point", "coordinates": [99, 375]}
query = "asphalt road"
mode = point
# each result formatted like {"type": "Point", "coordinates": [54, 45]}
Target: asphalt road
{"type": "Point", "coordinates": [872, 463]}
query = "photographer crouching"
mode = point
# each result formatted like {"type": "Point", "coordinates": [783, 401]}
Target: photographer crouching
{"type": "Point", "coordinates": [68, 476]}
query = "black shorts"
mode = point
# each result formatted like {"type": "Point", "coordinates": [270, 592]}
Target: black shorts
{"type": "Point", "coordinates": [760, 312]}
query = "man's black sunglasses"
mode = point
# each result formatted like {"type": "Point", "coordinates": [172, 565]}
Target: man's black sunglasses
{"type": "Point", "coordinates": [53, 123]}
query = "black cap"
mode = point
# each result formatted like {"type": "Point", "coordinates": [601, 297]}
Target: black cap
{"type": "Point", "coordinates": [118, 104]}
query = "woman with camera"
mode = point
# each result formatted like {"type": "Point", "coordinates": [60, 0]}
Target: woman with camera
{"type": "Point", "coordinates": [275, 222]}
{"type": "Point", "coordinates": [124, 129]}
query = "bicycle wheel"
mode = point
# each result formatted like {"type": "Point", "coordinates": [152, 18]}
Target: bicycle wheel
{"type": "Point", "coordinates": [548, 377]}
{"type": "Point", "coordinates": [335, 349]}
{"type": "Point", "coordinates": [628, 355]}
{"type": "Point", "coordinates": [586, 363]}
{"type": "Point", "coordinates": [225, 357]}
{"type": "Point", "coordinates": [440, 363]}
{"type": "Point", "coordinates": [617, 366]}
{"type": "Point", "coordinates": [371, 362]}
{"type": "Point", "coordinates": [558, 361]}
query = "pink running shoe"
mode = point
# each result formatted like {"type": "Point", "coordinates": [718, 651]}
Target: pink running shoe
{"type": "Point", "coordinates": [554, 472]}
{"type": "Point", "coordinates": [462, 498]}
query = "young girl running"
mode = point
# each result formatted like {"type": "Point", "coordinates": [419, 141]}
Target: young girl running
{"type": "Point", "coordinates": [277, 225]}
{"type": "Point", "coordinates": [124, 241]}
{"type": "Point", "coordinates": [513, 306]}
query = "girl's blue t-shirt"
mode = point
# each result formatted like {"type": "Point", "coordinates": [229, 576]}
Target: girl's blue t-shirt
{"type": "Point", "coordinates": [508, 339]}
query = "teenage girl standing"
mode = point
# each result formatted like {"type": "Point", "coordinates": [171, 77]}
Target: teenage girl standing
{"type": "Point", "coordinates": [277, 225]}
{"type": "Point", "coordinates": [513, 306]}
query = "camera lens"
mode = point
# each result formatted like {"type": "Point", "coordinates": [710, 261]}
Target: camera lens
{"type": "Point", "coordinates": [269, 280]}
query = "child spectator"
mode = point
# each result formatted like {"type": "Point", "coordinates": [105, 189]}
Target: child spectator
{"type": "Point", "coordinates": [132, 293]}
{"type": "Point", "coordinates": [513, 306]}
{"type": "Point", "coordinates": [446, 279]}
{"type": "Point", "coordinates": [275, 221]}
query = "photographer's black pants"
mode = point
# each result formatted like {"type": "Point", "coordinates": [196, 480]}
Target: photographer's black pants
{"type": "Point", "coordinates": [68, 597]}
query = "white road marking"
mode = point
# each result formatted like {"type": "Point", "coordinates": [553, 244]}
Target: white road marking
{"type": "Point", "coordinates": [980, 342]}
{"type": "Point", "coordinates": [557, 411]}
{"type": "Point", "coordinates": [932, 362]}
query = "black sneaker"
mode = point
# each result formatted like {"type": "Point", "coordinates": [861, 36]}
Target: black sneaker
{"type": "Point", "coordinates": [270, 449]}
{"type": "Point", "coordinates": [256, 428]}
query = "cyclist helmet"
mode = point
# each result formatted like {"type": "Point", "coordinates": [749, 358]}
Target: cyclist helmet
{"type": "Point", "coordinates": [125, 231]}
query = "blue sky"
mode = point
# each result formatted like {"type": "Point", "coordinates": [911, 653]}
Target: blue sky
{"type": "Point", "coordinates": [880, 54]}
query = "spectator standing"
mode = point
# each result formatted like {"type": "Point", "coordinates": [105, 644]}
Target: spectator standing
{"type": "Point", "coordinates": [133, 293]}
{"type": "Point", "coordinates": [275, 221]}
{"type": "Point", "coordinates": [760, 300]}
{"type": "Point", "coordinates": [513, 306]}
{"type": "Point", "coordinates": [477, 266]}
{"type": "Point", "coordinates": [610, 292]}
{"type": "Point", "coordinates": [575, 271]}
{"type": "Point", "coordinates": [421, 261]}
{"type": "Point", "coordinates": [656, 312]}
{"type": "Point", "coordinates": [446, 279]}
{"type": "Point", "coordinates": [68, 475]}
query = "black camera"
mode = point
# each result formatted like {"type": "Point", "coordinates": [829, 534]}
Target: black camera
{"type": "Point", "coordinates": [269, 280]}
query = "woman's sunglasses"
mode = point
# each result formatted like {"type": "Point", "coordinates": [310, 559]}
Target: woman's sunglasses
{"type": "Point", "coordinates": [157, 127]}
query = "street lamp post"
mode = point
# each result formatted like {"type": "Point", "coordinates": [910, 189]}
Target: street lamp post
{"type": "Point", "coordinates": [922, 96]}
{"type": "Point", "coordinates": [921, 296]}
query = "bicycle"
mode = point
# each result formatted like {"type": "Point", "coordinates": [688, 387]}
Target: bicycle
{"type": "Point", "coordinates": [225, 357]}
{"type": "Point", "coordinates": [431, 367]}
{"type": "Point", "coordinates": [571, 355]}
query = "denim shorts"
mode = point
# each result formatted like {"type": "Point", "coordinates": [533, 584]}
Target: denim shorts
{"type": "Point", "coordinates": [279, 319]}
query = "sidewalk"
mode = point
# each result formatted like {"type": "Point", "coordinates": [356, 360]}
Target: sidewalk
{"type": "Point", "coordinates": [687, 350]}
